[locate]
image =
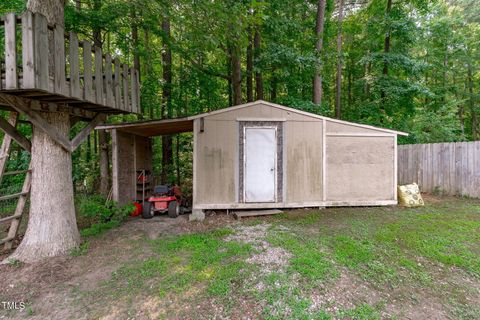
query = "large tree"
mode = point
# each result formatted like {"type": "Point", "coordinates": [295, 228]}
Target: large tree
{"type": "Point", "coordinates": [52, 227]}
{"type": "Point", "coordinates": [319, 27]}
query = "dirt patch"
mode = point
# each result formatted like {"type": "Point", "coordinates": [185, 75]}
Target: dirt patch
{"type": "Point", "coordinates": [272, 257]}
{"type": "Point", "coordinates": [345, 293]}
{"type": "Point", "coordinates": [47, 285]}
{"type": "Point", "coordinates": [268, 258]}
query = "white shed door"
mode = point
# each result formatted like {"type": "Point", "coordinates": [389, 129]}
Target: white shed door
{"type": "Point", "coordinates": [260, 164]}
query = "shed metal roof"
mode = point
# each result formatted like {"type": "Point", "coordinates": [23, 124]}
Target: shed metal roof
{"type": "Point", "coordinates": [151, 128]}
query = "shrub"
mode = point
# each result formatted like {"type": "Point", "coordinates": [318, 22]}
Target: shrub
{"type": "Point", "coordinates": [97, 215]}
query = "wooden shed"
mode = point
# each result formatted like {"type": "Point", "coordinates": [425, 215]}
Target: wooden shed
{"type": "Point", "coordinates": [264, 155]}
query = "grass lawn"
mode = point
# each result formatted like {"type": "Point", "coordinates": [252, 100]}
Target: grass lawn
{"type": "Point", "coordinates": [341, 263]}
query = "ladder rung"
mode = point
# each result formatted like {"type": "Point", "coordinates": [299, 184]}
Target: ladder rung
{"type": "Point", "coordinates": [9, 218]}
{"type": "Point", "coordinates": [12, 196]}
{"type": "Point", "coordinates": [2, 241]}
{"type": "Point", "coordinates": [9, 173]}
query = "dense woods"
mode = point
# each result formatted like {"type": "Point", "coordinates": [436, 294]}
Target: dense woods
{"type": "Point", "coordinates": [411, 65]}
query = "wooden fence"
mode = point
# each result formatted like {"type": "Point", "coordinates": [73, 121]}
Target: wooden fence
{"type": "Point", "coordinates": [447, 168]}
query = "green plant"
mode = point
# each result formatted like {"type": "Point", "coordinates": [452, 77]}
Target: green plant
{"type": "Point", "coordinates": [101, 215]}
{"type": "Point", "coordinates": [80, 250]}
{"type": "Point", "coordinates": [15, 263]}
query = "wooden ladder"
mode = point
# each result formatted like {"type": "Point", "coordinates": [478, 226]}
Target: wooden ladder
{"type": "Point", "coordinates": [22, 196]}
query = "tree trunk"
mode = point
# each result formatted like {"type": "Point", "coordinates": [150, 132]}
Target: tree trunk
{"type": "Point", "coordinates": [338, 91]}
{"type": "Point", "coordinates": [147, 66]}
{"type": "Point", "coordinates": [317, 79]}
{"type": "Point", "coordinates": [53, 10]}
{"type": "Point", "coordinates": [471, 100]}
{"type": "Point", "coordinates": [249, 68]}
{"type": "Point", "coordinates": [136, 56]}
{"type": "Point", "coordinates": [350, 69]}
{"type": "Point", "coordinates": [97, 32]}
{"type": "Point", "coordinates": [167, 153]}
{"type": "Point", "coordinates": [52, 227]}
{"type": "Point", "coordinates": [258, 74]}
{"type": "Point", "coordinates": [368, 70]}
{"type": "Point", "coordinates": [386, 51]}
{"type": "Point", "coordinates": [229, 77]}
{"type": "Point", "coordinates": [236, 75]}
{"type": "Point", "coordinates": [273, 89]}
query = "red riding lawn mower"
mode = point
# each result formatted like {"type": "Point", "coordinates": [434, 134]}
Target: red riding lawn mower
{"type": "Point", "coordinates": [165, 199]}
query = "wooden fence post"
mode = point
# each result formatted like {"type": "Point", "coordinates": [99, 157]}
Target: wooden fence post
{"type": "Point", "coordinates": [11, 79]}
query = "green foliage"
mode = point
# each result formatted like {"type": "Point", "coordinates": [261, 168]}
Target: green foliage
{"type": "Point", "coordinates": [80, 250]}
{"type": "Point", "coordinates": [12, 6]}
{"type": "Point", "coordinates": [14, 263]}
{"type": "Point", "coordinates": [426, 84]}
{"type": "Point", "coordinates": [100, 214]}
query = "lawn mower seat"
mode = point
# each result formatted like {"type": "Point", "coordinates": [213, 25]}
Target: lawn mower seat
{"type": "Point", "coordinates": [162, 189]}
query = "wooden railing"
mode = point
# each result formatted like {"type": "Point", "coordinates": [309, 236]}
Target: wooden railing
{"type": "Point", "coordinates": [42, 62]}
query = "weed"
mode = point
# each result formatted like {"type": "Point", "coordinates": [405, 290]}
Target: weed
{"type": "Point", "coordinates": [80, 250]}
{"type": "Point", "coordinates": [101, 215]}
{"type": "Point", "coordinates": [15, 263]}
{"type": "Point", "coordinates": [361, 312]}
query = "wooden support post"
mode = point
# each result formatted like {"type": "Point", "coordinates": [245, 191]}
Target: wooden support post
{"type": "Point", "coordinates": [117, 85]}
{"type": "Point", "coordinates": [324, 160]}
{"type": "Point", "coordinates": [134, 90]}
{"type": "Point", "coordinates": [75, 91]}
{"type": "Point", "coordinates": [11, 131]}
{"type": "Point", "coordinates": [11, 79]}
{"type": "Point", "coordinates": [21, 105]}
{"type": "Point", "coordinates": [41, 51]}
{"type": "Point", "coordinates": [60, 84]}
{"type": "Point", "coordinates": [126, 100]}
{"type": "Point", "coordinates": [108, 81]}
{"type": "Point", "coordinates": [28, 58]}
{"type": "Point", "coordinates": [137, 90]}
{"type": "Point", "coordinates": [87, 72]}
{"type": "Point", "coordinates": [99, 76]}
{"type": "Point", "coordinates": [6, 143]}
{"type": "Point", "coordinates": [115, 168]}
{"type": "Point", "coordinates": [82, 135]}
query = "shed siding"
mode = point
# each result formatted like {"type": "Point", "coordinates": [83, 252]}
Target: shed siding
{"type": "Point", "coordinates": [303, 145]}
{"type": "Point", "coordinates": [216, 155]}
{"type": "Point", "coordinates": [123, 167]}
{"type": "Point", "coordinates": [215, 162]}
{"type": "Point", "coordinates": [335, 127]}
{"type": "Point", "coordinates": [129, 153]}
{"type": "Point", "coordinates": [143, 153]}
{"type": "Point", "coordinates": [360, 168]}
{"type": "Point", "coordinates": [260, 111]}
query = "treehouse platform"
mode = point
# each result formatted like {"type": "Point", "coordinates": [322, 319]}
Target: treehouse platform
{"type": "Point", "coordinates": [42, 63]}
